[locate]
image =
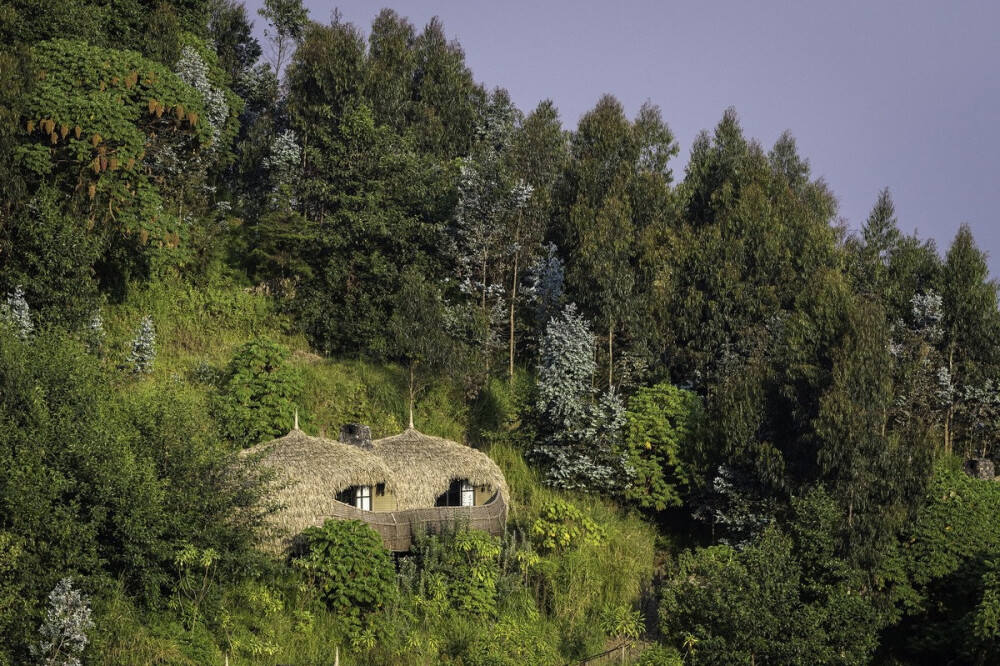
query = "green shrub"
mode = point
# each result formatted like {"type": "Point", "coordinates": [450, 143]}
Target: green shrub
{"type": "Point", "coordinates": [760, 604]}
{"type": "Point", "coordinates": [12, 603]}
{"type": "Point", "coordinates": [50, 253]}
{"type": "Point", "coordinates": [211, 498]}
{"type": "Point", "coordinates": [561, 526]}
{"type": "Point", "coordinates": [347, 562]}
{"type": "Point", "coordinates": [101, 484]}
{"type": "Point", "coordinates": [660, 655]}
{"type": "Point", "coordinates": [947, 561]}
{"type": "Point", "coordinates": [663, 424]}
{"type": "Point", "coordinates": [474, 587]}
{"type": "Point", "coordinates": [512, 641]}
{"type": "Point", "coordinates": [623, 623]}
{"type": "Point", "coordinates": [196, 569]}
{"type": "Point", "coordinates": [258, 395]}
{"type": "Point", "coordinates": [460, 568]}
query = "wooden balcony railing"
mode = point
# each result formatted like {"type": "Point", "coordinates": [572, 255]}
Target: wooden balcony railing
{"type": "Point", "coordinates": [397, 527]}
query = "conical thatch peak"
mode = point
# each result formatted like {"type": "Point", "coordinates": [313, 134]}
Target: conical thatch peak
{"type": "Point", "coordinates": [312, 470]}
{"type": "Point", "coordinates": [336, 465]}
{"type": "Point", "coordinates": [424, 467]}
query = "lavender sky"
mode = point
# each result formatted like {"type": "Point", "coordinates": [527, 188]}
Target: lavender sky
{"type": "Point", "coordinates": [897, 94]}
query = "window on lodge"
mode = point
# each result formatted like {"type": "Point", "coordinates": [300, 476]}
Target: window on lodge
{"type": "Point", "coordinates": [460, 493]}
{"type": "Point", "coordinates": [360, 497]}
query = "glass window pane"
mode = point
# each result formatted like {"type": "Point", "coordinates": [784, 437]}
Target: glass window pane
{"type": "Point", "coordinates": [363, 498]}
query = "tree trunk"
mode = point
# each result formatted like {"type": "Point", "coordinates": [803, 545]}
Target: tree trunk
{"type": "Point", "coordinates": [485, 260]}
{"type": "Point", "coordinates": [513, 301]}
{"type": "Point", "coordinates": [611, 357]}
{"type": "Point", "coordinates": [950, 412]}
{"type": "Point", "coordinates": [947, 434]}
{"type": "Point", "coordinates": [597, 361]}
{"type": "Point", "coordinates": [412, 391]}
{"type": "Point", "coordinates": [486, 319]}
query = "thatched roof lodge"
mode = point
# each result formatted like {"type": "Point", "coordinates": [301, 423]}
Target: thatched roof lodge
{"type": "Point", "coordinates": [426, 467]}
{"type": "Point", "coordinates": [395, 484]}
{"type": "Point", "coordinates": [307, 468]}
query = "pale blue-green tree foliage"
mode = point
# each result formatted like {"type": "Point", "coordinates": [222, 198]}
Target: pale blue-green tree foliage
{"type": "Point", "coordinates": [545, 285]}
{"type": "Point", "coordinates": [143, 351]}
{"type": "Point", "coordinates": [15, 313]}
{"type": "Point", "coordinates": [580, 430]}
{"type": "Point", "coordinates": [94, 334]}
{"type": "Point", "coordinates": [735, 506]}
{"type": "Point", "coordinates": [192, 70]}
{"type": "Point", "coordinates": [64, 631]}
{"type": "Point", "coordinates": [490, 199]}
{"type": "Point", "coordinates": [285, 157]}
{"type": "Point", "coordinates": [927, 310]}
{"type": "Point", "coordinates": [564, 374]}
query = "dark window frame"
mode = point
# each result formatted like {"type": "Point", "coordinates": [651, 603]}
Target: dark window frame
{"type": "Point", "coordinates": [357, 496]}
{"type": "Point", "coordinates": [458, 490]}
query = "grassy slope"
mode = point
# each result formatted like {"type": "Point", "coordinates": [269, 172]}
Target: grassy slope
{"type": "Point", "coordinates": [199, 326]}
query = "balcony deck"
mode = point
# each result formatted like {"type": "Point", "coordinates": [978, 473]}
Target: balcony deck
{"type": "Point", "coordinates": [397, 527]}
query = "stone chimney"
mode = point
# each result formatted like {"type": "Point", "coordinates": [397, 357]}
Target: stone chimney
{"type": "Point", "coordinates": [980, 468]}
{"type": "Point", "coordinates": [357, 435]}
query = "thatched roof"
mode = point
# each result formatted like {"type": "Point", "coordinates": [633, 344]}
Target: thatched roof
{"type": "Point", "coordinates": [312, 470]}
{"type": "Point", "coordinates": [425, 466]}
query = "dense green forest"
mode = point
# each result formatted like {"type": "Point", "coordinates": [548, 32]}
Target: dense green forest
{"type": "Point", "coordinates": [735, 431]}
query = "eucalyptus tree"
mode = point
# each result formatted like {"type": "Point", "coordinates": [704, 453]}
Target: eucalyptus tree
{"type": "Point", "coordinates": [231, 31]}
{"type": "Point", "coordinates": [545, 286]}
{"type": "Point", "coordinates": [419, 334]}
{"type": "Point", "coordinates": [920, 387]}
{"type": "Point", "coordinates": [875, 470]}
{"type": "Point", "coordinates": [971, 322]}
{"type": "Point", "coordinates": [899, 272]}
{"type": "Point", "coordinates": [378, 127]}
{"type": "Point", "coordinates": [366, 219]}
{"type": "Point", "coordinates": [325, 82]}
{"type": "Point", "coordinates": [753, 233]}
{"type": "Point", "coordinates": [604, 204]}
{"type": "Point", "coordinates": [392, 70]}
{"type": "Point", "coordinates": [446, 99]}
{"type": "Point", "coordinates": [872, 252]}
{"type": "Point", "coordinates": [535, 158]}
{"type": "Point", "coordinates": [887, 265]}
{"type": "Point", "coordinates": [812, 399]}
{"type": "Point", "coordinates": [287, 22]}
{"type": "Point", "coordinates": [487, 199]}
{"type": "Point", "coordinates": [501, 219]}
